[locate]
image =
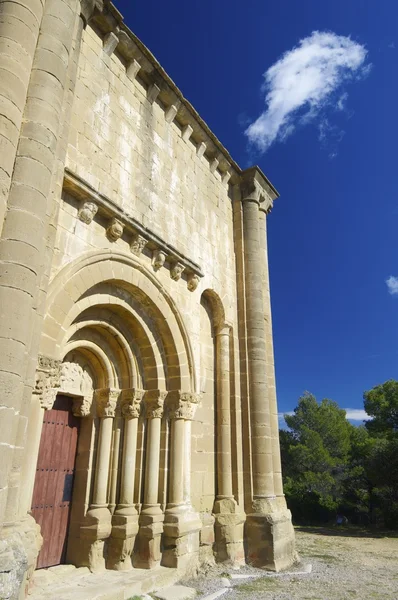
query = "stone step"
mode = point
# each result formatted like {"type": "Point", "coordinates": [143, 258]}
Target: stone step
{"type": "Point", "coordinates": [107, 585]}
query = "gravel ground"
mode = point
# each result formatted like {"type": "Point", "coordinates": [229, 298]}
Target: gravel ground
{"type": "Point", "coordinates": [346, 564]}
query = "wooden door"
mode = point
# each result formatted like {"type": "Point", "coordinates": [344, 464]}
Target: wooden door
{"type": "Point", "coordinates": [52, 494]}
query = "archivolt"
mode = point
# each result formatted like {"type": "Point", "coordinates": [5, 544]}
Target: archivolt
{"type": "Point", "coordinates": [110, 300]}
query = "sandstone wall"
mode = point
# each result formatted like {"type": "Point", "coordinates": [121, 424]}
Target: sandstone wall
{"type": "Point", "coordinates": [122, 146]}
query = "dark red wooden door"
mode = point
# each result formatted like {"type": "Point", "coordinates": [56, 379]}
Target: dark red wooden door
{"type": "Point", "coordinates": [52, 494]}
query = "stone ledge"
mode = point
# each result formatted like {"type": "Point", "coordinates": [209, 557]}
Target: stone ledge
{"type": "Point", "coordinates": [81, 190]}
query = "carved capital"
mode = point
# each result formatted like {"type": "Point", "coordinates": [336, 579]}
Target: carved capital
{"type": "Point", "coordinates": [138, 243]}
{"type": "Point", "coordinates": [154, 402]}
{"type": "Point", "coordinates": [81, 407]}
{"type": "Point", "coordinates": [255, 187]}
{"type": "Point", "coordinates": [158, 259]}
{"type": "Point", "coordinates": [131, 403]}
{"type": "Point", "coordinates": [115, 230]}
{"type": "Point", "coordinates": [47, 380]}
{"type": "Point", "coordinates": [87, 212]}
{"type": "Point", "coordinates": [266, 204]}
{"type": "Point", "coordinates": [106, 400]}
{"type": "Point", "coordinates": [193, 282]}
{"type": "Point", "coordinates": [176, 271]}
{"type": "Point", "coordinates": [182, 405]}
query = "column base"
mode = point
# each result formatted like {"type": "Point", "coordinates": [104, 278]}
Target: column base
{"type": "Point", "coordinates": [20, 545]}
{"type": "Point", "coordinates": [121, 541]}
{"type": "Point", "coordinates": [96, 528]}
{"type": "Point", "coordinates": [269, 537]}
{"type": "Point", "coordinates": [206, 540]}
{"type": "Point", "coordinates": [147, 554]}
{"type": "Point", "coordinates": [229, 523]}
{"type": "Point", "coordinates": [181, 540]}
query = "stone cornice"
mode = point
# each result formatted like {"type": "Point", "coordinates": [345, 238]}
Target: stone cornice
{"type": "Point", "coordinates": [141, 63]}
{"type": "Point", "coordinates": [93, 202]}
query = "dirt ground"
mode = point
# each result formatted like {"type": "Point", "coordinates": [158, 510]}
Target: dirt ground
{"type": "Point", "coordinates": [346, 564]}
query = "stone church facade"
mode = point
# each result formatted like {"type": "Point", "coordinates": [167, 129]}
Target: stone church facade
{"type": "Point", "coordinates": [138, 415]}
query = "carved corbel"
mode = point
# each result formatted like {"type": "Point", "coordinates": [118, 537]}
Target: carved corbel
{"type": "Point", "coordinates": [154, 403]}
{"type": "Point", "coordinates": [106, 401]}
{"type": "Point", "coordinates": [47, 381]}
{"type": "Point", "coordinates": [131, 403]}
{"type": "Point", "coordinates": [193, 282]}
{"type": "Point", "coordinates": [138, 243]}
{"type": "Point", "coordinates": [158, 259]}
{"type": "Point", "coordinates": [87, 212]}
{"type": "Point", "coordinates": [115, 230]}
{"type": "Point", "coordinates": [176, 271]}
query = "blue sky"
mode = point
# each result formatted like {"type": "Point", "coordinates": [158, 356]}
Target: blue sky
{"type": "Point", "coordinates": [333, 232]}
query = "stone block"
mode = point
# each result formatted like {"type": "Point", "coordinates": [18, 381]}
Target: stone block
{"type": "Point", "coordinates": [176, 592]}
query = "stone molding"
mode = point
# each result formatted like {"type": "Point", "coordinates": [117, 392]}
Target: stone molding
{"type": "Point", "coordinates": [47, 380]}
{"type": "Point", "coordinates": [106, 401]}
{"type": "Point", "coordinates": [131, 403]}
{"type": "Point", "coordinates": [182, 405]}
{"type": "Point", "coordinates": [162, 252]}
{"type": "Point", "coordinates": [154, 403]}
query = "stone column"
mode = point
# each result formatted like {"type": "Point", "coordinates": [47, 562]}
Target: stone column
{"type": "Point", "coordinates": [97, 523]}
{"type": "Point", "coordinates": [125, 519]}
{"type": "Point", "coordinates": [269, 531]}
{"type": "Point", "coordinates": [263, 483]}
{"type": "Point", "coordinates": [19, 30]}
{"type": "Point", "coordinates": [228, 518]}
{"type": "Point", "coordinates": [151, 518]}
{"type": "Point", "coordinates": [276, 454]}
{"type": "Point", "coordinates": [181, 524]}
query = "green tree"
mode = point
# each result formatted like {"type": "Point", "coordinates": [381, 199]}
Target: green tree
{"type": "Point", "coordinates": [315, 454]}
{"type": "Point", "coordinates": [381, 403]}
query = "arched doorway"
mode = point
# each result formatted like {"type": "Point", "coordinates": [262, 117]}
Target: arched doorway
{"type": "Point", "coordinates": [52, 494]}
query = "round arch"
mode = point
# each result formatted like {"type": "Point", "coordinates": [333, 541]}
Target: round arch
{"type": "Point", "coordinates": [125, 281]}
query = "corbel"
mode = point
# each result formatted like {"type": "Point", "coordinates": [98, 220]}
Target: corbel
{"type": "Point", "coordinates": [186, 132]}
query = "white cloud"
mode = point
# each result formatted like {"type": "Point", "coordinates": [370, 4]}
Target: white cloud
{"type": "Point", "coordinates": [356, 414]}
{"type": "Point", "coordinates": [341, 102]}
{"type": "Point", "coordinates": [305, 78]}
{"type": "Point", "coordinates": [352, 414]}
{"type": "Point", "coordinates": [392, 284]}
